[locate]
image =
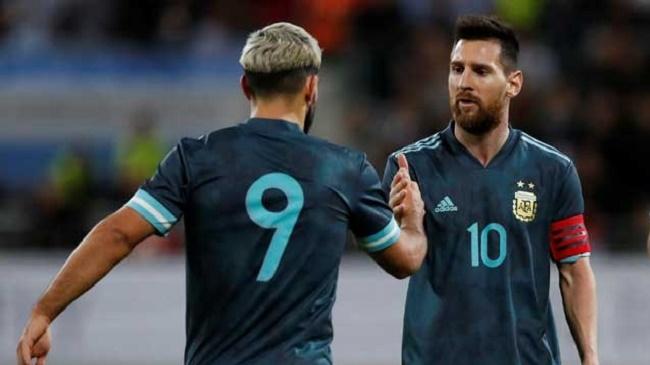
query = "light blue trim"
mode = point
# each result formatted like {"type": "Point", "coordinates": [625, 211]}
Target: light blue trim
{"type": "Point", "coordinates": [545, 147]}
{"type": "Point", "coordinates": [147, 216]}
{"type": "Point", "coordinates": [381, 240]}
{"type": "Point", "coordinates": [573, 259]}
{"type": "Point", "coordinates": [156, 205]}
{"type": "Point", "coordinates": [431, 142]}
{"type": "Point", "coordinates": [152, 211]}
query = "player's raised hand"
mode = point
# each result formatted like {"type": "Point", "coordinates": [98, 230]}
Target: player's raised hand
{"type": "Point", "coordinates": [405, 198]}
{"type": "Point", "coordinates": [35, 341]}
{"type": "Point", "coordinates": [400, 182]}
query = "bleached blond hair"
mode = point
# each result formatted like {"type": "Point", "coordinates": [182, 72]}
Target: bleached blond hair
{"type": "Point", "coordinates": [280, 47]}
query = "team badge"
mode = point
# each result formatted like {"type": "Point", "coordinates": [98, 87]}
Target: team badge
{"type": "Point", "coordinates": [524, 205]}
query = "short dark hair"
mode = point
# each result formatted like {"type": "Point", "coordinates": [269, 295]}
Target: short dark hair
{"type": "Point", "coordinates": [289, 82]}
{"type": "Point", "coordinates": [483, 27]}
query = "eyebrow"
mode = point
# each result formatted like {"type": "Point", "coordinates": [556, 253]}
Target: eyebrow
{"type": "Point", "coordinates": [471, 64]}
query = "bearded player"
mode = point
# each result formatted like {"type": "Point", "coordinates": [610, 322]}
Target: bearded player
{"type": "Point", "coordinates": [501, 206]}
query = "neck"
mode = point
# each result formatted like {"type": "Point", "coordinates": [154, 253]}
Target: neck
{"type": "Point", "coordinates": [279, 108]}
{"type": "Point", "coordinates": [484, 147]}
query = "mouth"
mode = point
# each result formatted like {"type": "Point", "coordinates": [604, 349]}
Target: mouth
{"type": "Point", "coordinates": [466, 102]}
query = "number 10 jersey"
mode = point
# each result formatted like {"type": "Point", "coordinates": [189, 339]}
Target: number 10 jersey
{"type": "Point", "coordinates": [267, 210]}
{"type": "Point", "coordinates": [482, 295]}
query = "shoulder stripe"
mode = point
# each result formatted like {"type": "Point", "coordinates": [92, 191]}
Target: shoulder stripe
{"type": "Point", "coordinates": [431, 142]}
{"type": "Point", "coordinates": [424, 141]}
{"type": "Point", "coordinates": [524, 134]}
{"type": "Point", "coordinates": [545, 147]}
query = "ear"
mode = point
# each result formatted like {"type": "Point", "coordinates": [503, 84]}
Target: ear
{"type": "Point", "coordinates": [515, 83]}
{"type": "Point", "coordinates": [311, 89]}
{"type": "Point", "coordinates": [245, 87]}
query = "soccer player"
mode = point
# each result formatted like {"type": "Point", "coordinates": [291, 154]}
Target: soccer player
{"type": "Point", "coordinates": [500, 206]}
{"type": "Point", "coordinates": [267, 209]}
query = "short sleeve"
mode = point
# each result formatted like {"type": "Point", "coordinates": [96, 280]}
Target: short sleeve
{"type": "Point", "coordinates": [569, 239]}
{"type": "Point", "coordinates": [372, 220]}
{"type": "Point", "coordinates": [160, 200]}
{"type": "Point", "coordinates": [568, 199]}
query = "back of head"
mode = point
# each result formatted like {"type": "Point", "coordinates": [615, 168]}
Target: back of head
{"type": "Point", "coordinates": [277, 59]}
{"type": "Point", "coordinates": [482, 27]}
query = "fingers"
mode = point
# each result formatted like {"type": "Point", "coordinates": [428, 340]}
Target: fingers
{"type": "Point", "coordinates": [400, 191]}
{"type": "Point", "coordinates": [24, 353]}
{"type": "Point", "coordinates": [405, 197]}
{"type": "Point", "coordinates": [398, 187]}
{"type": "Point", "coordinates": [407, 203]}
{"type": "Point", "coordinates": [35, 342]}
{"type": "Point", "coordinates": [416, 190]}
{"type": "Point", "coordinates": [402, 162]}
{"type": "Point", "coordinates": [42, 346]}
{"type": "Point", "coordinates": [397, 199]}
{"type": "Point", "coordinates": [399, 177]}
{"type": "Point", "coordinates": [403, 171]}
{"type": "Point", "coordinates": [398, 211]}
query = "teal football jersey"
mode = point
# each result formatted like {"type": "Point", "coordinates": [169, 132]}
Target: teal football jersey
{"type": "Point", "coordinates": [267, 209]}
{"type": "Point", "coordinates": [482, 295]}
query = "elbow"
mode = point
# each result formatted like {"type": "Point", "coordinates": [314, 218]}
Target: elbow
{"type": "Point", "coordinates": [408, 267]}
{"type": "Point", "coordinates": [404, 258]}
{"type": "Point", "coordinates": [402, 274]}
{"type": "Point", "coordinates": [110, 234]}
{"type": "Point", "coordinates": [413, 260]}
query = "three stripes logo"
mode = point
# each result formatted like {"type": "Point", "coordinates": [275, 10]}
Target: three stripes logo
{"type": "Point", "coordinates": [446, 205]}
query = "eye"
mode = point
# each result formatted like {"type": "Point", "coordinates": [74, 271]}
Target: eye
{"type": "Point", "coordinates": [482, 71]}
{"type": "Point", "coordinates": [457, 69]}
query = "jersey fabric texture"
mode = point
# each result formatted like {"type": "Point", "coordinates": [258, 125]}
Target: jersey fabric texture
{"type": "Point", "coordinates": [482, 295]}
{"type": "Point", "coordinates": [266, 210]}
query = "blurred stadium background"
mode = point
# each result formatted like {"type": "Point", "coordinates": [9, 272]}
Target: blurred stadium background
{"type": "Point", "coordinates": [95, 92]}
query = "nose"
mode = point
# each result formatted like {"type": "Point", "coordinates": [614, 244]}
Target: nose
{"type": "Point", "coordinates": [464, 80]}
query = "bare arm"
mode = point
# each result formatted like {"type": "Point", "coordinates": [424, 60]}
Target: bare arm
{"type": "Point", "coordinates": [578, 288]}
{"type": "Point", "coordinates": [110, 241]}
{"type": "Point", "coordinates": [404, 258]}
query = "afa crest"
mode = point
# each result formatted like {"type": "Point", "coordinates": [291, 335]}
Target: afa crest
{"type": "Point", "coordinates": [524, 205]}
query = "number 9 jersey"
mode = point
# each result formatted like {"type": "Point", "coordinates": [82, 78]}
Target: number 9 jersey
{"type": "Point", "coordinates": [267, 209]}
{"type": "Point", "coordinates": [482, 294]}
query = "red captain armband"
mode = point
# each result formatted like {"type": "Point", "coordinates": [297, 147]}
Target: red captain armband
{"type": "Point", "coordinates": [569, 239]}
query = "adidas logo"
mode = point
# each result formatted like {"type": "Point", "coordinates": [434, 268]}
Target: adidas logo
{"type": "Point", "coordinates": [446, 205]}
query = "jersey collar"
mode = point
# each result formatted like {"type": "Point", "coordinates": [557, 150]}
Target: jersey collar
{"type": "Point", "coordinates": [264, 124]}
{"type": "Point", "coordinates": [459, 150]}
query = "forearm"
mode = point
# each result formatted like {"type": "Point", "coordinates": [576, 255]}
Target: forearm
{"type": "Point", "coordinates": [102, 249]}
{"type": "Point", "coordinates": [578, 288]}
{"type": "Point", "coordinates": [416, 243]}
{"type": "Point", "coordinates": [404, 258]}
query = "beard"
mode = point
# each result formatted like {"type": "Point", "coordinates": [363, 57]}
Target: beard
{"type": "Point", "coordinates": [309, 118]}
{"type": "Point", "coordinates": [477, 122]}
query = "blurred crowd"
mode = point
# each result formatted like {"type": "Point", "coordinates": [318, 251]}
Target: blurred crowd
{"type": "Point", "coordinates": [585, 64]}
